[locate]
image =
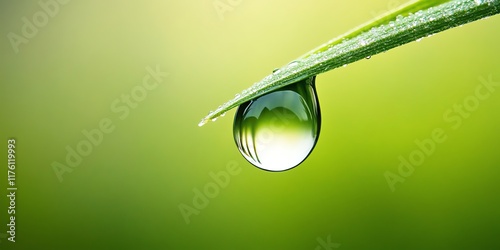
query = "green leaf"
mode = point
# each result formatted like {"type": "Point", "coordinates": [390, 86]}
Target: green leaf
{"type": "Point", "coordinates": [410, 22]}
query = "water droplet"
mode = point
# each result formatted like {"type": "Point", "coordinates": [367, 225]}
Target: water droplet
{"type": "Point", "coordinates": [293, 64]}
{"type": "Point", "coordinates": [345, 65]}
{"type": "Point", "coordinates": [368, 57]}
{"type": "Point", "coordinates": [202, 122]}
{"type": "Point", "coordinates": [276, 71]}
{"type": "Point", "coordinates": [277, 131]}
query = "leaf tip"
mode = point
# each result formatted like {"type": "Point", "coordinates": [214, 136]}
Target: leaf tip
{"type": "Point", "coordinates": [202, 122]}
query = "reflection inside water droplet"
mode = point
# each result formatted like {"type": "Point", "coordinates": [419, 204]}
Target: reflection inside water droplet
{"type": "Point", "coordinates": [277, 131]}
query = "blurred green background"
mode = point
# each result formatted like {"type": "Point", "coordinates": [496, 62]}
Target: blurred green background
{"type": "Point", "coordinates": [126, 193]}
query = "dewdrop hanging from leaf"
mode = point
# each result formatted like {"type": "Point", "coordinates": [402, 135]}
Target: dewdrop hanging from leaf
{"type": "Point", "coordinates": [411, 22]}
{"type": "Point", "coordinates": [417, 19]}
{"type": "Point", "coordinates": [277, 131]}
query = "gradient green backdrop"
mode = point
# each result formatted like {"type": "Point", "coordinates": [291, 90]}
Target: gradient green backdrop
{"type": "Point", "coordinates": [126, 193]}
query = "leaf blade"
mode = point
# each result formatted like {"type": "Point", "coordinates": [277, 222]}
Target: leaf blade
{"type": "Point", "coordinates": [367, 40]}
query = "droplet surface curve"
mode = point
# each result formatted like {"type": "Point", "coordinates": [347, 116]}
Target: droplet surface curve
{"type": "Point", "coordinates": [278, 131]}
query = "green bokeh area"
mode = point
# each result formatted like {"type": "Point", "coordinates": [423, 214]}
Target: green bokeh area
{"type": "Point", "coordinates": [131, 189]}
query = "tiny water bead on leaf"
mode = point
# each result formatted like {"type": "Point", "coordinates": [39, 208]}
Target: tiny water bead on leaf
{"type": "Point", "coordinates": [277, 131]}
